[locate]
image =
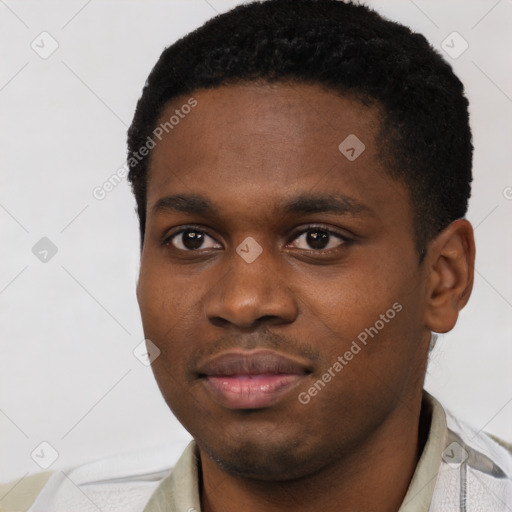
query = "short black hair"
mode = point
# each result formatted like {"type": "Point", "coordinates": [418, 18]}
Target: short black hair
{"type": "Point", "coordinates": [425, 137]}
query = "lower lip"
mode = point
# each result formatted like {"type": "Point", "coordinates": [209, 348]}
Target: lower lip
{"type": "Point", "coordinates": [251, 392]}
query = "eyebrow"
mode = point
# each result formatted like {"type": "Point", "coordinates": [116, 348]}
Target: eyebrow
{"type": "Point", "coordinates": [320, 203]}
{"type": "Point", "coordinates": [302, 204]}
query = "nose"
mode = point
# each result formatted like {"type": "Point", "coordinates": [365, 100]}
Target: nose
{"type": "Point", "coordinates": [249, 294]}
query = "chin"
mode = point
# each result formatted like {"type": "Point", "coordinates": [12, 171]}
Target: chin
{"type": "Point", "coordinates": [265, 458]}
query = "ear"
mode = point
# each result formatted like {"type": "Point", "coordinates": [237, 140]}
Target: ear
{"type": "Point", "coordinates": [450, 265]}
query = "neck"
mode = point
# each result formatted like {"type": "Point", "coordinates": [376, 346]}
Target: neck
{"type": "Point", "coordinates": [373, 477]}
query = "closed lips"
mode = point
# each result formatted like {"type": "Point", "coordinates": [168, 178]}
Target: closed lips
{"type": "Point", "coordinates": [252, 363]}
{"type": "Point", "coordinates": [251, 380]}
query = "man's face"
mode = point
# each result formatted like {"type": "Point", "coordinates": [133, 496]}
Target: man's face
{"type": "Point", "coordinates": [247, 326]}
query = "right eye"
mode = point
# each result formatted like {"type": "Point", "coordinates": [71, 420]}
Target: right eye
{"type": "Point", "coordinates": [190, 239]}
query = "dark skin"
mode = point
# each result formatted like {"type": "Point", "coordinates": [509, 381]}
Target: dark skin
{"type": "Point", "coordinates": [247, 149]}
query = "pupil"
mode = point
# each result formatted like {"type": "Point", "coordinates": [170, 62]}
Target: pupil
{"type": "Point", "coordinates": [192, 239]}
{"type": "Point", "coordinates": [317, 239]}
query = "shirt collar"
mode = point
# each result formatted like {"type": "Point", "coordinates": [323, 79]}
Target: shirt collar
{"type": "Point", "coordinates": [420, 491]}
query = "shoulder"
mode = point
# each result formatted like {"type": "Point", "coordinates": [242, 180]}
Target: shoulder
{"type": "Point", "coordinates": [475, 471]}
{"type": "Point", "coordinates": [502, 443]}
{"type": "Point", "coordinates": [467, 437]}
{"type": "Point", "coordinates": [485, 452]}
{"type": "Point", "coordinates": [18, 495]}
{"type": "Point", "coordinates": [120, 482]}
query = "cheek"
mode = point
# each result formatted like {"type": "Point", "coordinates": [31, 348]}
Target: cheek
{"type": "Point", "coordinates": [162, 310]}
{"type": "Point", "coordinates": [352, 297]}
{"type": "Point", "coordinates": [369, 316]}
{"type": "Point", "coordinates": [170, 313]}
{"type": "Point", "coordinates": [160, 300]}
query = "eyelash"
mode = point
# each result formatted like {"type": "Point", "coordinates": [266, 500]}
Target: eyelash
{"type": "Point", "coordinates": [191, 227]}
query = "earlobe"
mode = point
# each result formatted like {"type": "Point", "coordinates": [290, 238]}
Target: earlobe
{"type": "Point", "coordinates": [451, 259]}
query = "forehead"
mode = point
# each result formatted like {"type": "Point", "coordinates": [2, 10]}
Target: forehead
{"type": "Point", "coordinates": [244, 146]}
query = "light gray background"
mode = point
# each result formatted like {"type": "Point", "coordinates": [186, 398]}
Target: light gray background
{"type": "Point", "coordinates": [69, 326]}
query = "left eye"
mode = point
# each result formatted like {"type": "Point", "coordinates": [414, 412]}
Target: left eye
{"type": "Point", "coordinates": [319, 239]}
